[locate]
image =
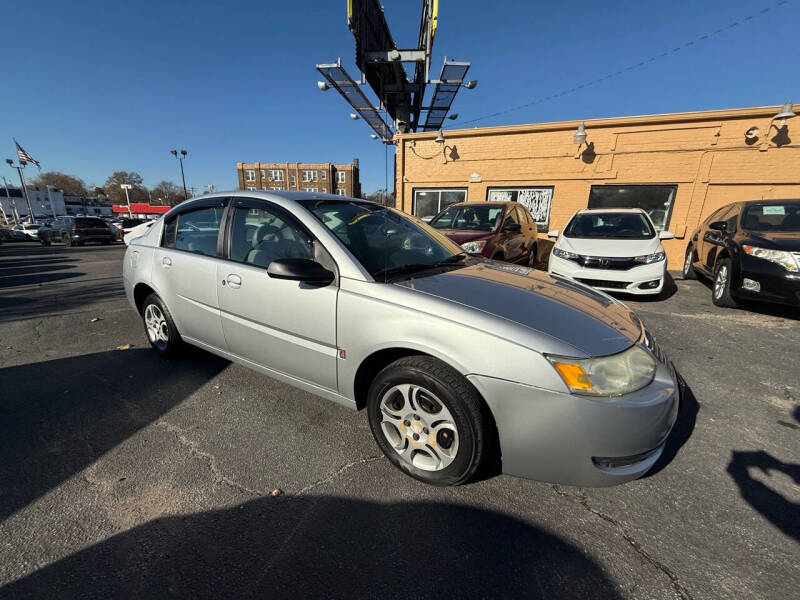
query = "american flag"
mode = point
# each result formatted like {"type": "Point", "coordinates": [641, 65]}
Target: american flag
{"type": "Point", "coordinates": [22, 155]}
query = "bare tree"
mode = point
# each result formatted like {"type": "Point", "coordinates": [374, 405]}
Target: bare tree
{"type": "Point", "coordinates": [112, 189]}
{"type": "Point", "coordinates": [69, 184]}
{"type": "Point", "coordinates": [381, 197]}
{"type": "Point", "coordinates": [166, 192]}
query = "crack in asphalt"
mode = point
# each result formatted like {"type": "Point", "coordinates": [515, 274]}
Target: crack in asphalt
{"type": "Point", "coordinates": [682, 592]}
{"type": "Point", "coordinates": [340, 471]}
{"type": "Point", "coordinates": [194, 450]}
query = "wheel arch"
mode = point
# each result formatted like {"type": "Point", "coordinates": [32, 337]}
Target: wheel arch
{"type": "Point", "coordinates": [140, 292]}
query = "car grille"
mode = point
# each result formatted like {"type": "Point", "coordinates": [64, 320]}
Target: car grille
{"type": "Point", "coordinates": [652, 345]}
{"type": "Point", "coordinates": [606, 262]}
{"type": "Point", "coordinates": [617, 285]}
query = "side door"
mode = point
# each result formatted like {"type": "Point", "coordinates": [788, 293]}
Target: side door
{"type": "Point", "coordinates": [714, 240]}
{"type": "Point", "coordinates": [514, 238]}
{"type": "Point", "coordinates": [529, 230]}
{"type": "Point", "coordinates": [185, 270]}
{"type": "Point", "coordinates": [283, 325]}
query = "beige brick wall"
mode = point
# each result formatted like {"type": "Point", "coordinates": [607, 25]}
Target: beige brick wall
{"type": "Point", "coordinates": [704, 154]}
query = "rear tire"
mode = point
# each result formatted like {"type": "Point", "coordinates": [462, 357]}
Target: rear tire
{"type": "Point", "coordinates": [721, 292]}
{"type": "Point", "coordinates": [688, 267]}
{"type": "Point", "coordinates": [429, 421]}
{"type": "Point", "coordinates": [67, 240]}
{"type": "Point", "coordinates": [160, 328]}
{"type": "Point", "coordinates": [499, 256]}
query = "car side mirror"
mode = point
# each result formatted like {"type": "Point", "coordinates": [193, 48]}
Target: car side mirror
{"type": "Point", "coordinates": [299, 269]}
{"type": "Point", "coordinates": [666, 235]}
{"type": "Point", "coordinates": [718, 225]}
{"type": "Point", "coordinates": [553, 233]}
{"type": "Point", "coordinates": [512, 227]}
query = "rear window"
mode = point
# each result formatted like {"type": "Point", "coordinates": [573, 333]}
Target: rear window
{"type": "Point", "coordinates": [89, 222]}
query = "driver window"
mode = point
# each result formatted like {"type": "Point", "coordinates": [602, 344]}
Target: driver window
{"type": "Point", "coordinates": [513, 217]}
{"type": "Point", "coordinates": [261, 235]}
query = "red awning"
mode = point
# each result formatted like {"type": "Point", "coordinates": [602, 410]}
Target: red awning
{"type": "Point", "coordinates": [141, 208]}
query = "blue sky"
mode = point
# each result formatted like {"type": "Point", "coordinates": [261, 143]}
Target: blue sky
{"type": "Point", "coordinates": [93, 87]}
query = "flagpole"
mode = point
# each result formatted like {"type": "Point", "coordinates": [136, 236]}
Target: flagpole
{"type": "Point", "coordinates": [19, 168]}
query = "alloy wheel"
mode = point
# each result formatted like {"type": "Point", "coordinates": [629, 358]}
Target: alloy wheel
{"type": "Point", "coordinates": [156, 325]}
{"type": "Point", "coordinates": [419, 427]}
{"type": "Point", "coordinates": [721, 281]}
{"type": "Point", "coordinates": [687, 264]}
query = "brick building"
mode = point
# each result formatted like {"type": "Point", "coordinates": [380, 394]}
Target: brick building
{"type": "Point", "coordinates": [680, 167]}
{"type": "Point", "coordinates": [311, 177]}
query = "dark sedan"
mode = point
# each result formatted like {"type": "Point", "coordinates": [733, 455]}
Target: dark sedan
{"type": "Point", "coordinates": [751, 251]}
{"type": "Point", "coordinates": [76, 231]}
{"type": "Point", "coordinates": [499, 230]}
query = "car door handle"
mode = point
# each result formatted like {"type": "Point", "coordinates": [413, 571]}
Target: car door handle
{"type": "Point", "coordinates": [166, 262]}
{"type": "Point", "coordinates": [234, 281]}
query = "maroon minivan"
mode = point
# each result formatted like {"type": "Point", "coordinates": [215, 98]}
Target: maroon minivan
{"type": "Point", "coordinates": [499, 230]}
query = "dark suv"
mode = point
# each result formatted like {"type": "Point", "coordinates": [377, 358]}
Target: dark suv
{"type": "Point", "coordinates": [76, 231]}
{"type": "Point", "coordinates": [751, 250]}
{"type": "Point", "coordinates": [498, 230]}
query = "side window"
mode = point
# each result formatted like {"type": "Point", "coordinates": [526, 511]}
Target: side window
{"type": "Point", "coordinates": [261, 235]}
{"type": "Point", "coordinates": [194, 231]}
{"type": "Point", "coordinates": [513, 216]}
{"type": "Point", "coordinates": [731, 217]}
{"type": "Point", "coordinates": [523, 216]}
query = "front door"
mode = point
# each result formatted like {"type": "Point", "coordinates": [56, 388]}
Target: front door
{"type": "Point", "coordinates": [185, 272]}
{"type": "Point", "coordinates": [284, 325]}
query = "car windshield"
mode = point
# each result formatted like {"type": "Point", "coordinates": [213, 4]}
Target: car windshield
{"type": "Point", "coordinates": [618, 225]}
{"type": "Point", "coordinates": [384, 240]}
{"type": "Point", "coordinates": [772, 217]}
{"type": "Point", "coordinates": [478, 217]}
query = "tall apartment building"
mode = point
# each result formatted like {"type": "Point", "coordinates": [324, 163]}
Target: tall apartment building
{"type": "Point", "coordinates": [310, 177]}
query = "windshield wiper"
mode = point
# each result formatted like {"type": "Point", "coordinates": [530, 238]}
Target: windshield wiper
{"type": "Point", "coordinates": [414, 267]}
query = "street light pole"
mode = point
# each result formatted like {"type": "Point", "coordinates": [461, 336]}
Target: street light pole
{"type": "Point", "coordinates": [126, 187]}
{"type": "Point", "coordinates": [19, 168]}
{"type": "Point", "coordinates": [183, 177]}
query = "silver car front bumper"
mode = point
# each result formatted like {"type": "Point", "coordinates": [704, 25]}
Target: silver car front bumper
{"type": "Point", "coordinates": [579, 440]}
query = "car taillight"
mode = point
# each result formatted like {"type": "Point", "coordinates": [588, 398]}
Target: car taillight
{"type": "Point", "coordinates": [74, 228]}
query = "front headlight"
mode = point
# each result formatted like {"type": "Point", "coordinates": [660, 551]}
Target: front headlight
{"type": "Point", "coordinates": [648, 259]}
{"type": "Point", "coordinates": [565, 255]}
{"type": "Point", "coordinates": [475, 247]}
{"type": "Point", "coordinates": [609, 376]}
{"type": "Point", "coordinates": [780, 257]}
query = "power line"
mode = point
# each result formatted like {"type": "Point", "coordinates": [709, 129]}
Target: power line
{"type": "Point", "coordinates": [634, 66]}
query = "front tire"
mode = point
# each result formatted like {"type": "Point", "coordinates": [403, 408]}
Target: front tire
{"type": "Point", "coordinates": [721, 292]}
{"type": "Point", "coordinates": [428, 420]}
{"type": "Point", "coordinates": [67, 240]}
{"type": "Point", "coordinates": [160, 328]}
{"type": "Point", "coordinates": [688, 267]}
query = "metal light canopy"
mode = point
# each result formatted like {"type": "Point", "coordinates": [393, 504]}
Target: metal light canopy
{"type": "Point", "coordinates": [786, 113]}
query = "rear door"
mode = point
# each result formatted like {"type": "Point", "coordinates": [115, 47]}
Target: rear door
{"type": "Point", "coordinates": [92, 227]}
{"type": "Point", "coordinates": [185, 270]}
{"type": "Point", "coordinates": [514, 241]}
{"type": "Point", "coordinates": [713, 240]}
{"type": "Point", "coordinates": [284, 325]}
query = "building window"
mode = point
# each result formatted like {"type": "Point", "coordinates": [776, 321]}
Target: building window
{"type": "Point", "coordinates": [263, 187]}
{"type": "Point", "coordinates": [308, 175]}
{"type": "Point", "coordinates": [341, 192]}
{"type": "Point", "coordinates": [250, 175]}
{"type": "Point", "coordinates": [251, 187]}
{"type": "Point", "coordinates": [536, 199]}
{"type": "Point", "coordinates": [292, 181]}
{"type": "Point", "coordinates": [324, 175]}
{"type": "Point", "coordinates": [261, 172]}
{"type": "Point", "coordinates": [276, 187]}
{"type": "Point", "coordinates": [310, 189]}
{"type": "Point", "coordinates": [276, 174]}
{"type": "Point", "coordinates": [428, 203]}
{"type": "Point", "coordinates": [340, 176]}
{"type": "Point", "coordinates": [655, 200]}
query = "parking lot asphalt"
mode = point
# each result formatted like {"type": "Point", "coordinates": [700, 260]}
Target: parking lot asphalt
{"type": "Point", "coordinates": [126, 475]}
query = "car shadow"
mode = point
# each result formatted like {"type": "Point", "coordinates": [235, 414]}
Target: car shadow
{"type": "Point", "coordinates": [781, 512]}
{"type": "Point", "coordinates": [326, 547]}
{"type": "Point", "coordinates": [682, 429]}
{"type": "Point", "coordinates": [58, 416]}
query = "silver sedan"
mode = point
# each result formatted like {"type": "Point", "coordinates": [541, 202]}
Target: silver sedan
{"type": "Point", "coordinates": [459, 361]}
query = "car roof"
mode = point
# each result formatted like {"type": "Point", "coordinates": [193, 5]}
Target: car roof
{"type": "Point", "coordinates": [593, 211]}
{"type": "Point", "coordinates": [484, 203]}
{"type": "Point", "coordinates": [280, 197]}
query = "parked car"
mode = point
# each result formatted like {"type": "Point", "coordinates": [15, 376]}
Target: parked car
{"type": "Point", "coordinates": [499, 230]}
{"type": "Point", "coordinates": [6, 235]}
{"type": "Point", "coordinates": [615, 250]}
{"type": "Point", "coordinates": [18, 234]}
{"type": "Point", "coordinates": [27, 231]}
{"type": "Point", "coordinates": [76, 231]}
{"type": "Point", "coordinates": [750, 250]}
{"type": "Point", "coordinates": [127, 224]}
{"type": "Point", "coordinates": [455, 358]}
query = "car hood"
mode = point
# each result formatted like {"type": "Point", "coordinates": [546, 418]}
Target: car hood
{"type": "Point", "coordinates": [775, 240]}
{"type": "Point", "coordinates": [586, 319]}
{"type": "Point", "coordinates": [609, 247]}
{"type": "Point", "coordinates": [460, 236]}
